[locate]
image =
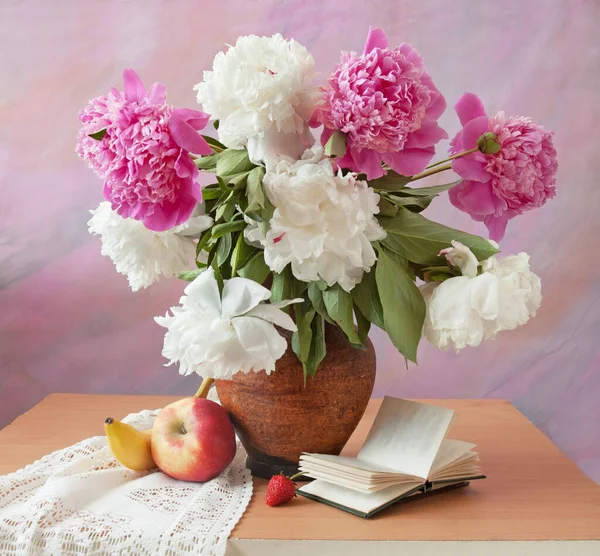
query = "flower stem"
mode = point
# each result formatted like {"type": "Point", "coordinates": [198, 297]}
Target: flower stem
{"type": "Point", "coordinates": [204, 388]}
{"type": "Point", "coordinates": [432, 171]}
{"type": "Point", "coordinates": [453, 157]}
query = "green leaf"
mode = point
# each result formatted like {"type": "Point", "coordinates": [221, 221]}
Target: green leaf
{"type": "Point", "coordinates": [254, 189]}
{"type": "Point", "coordinates": [227, 209]}
{"type": "Point", "coordinates": [242, 253]}
{"type": "Point", "coordinates": [204, 239]}
{"type": "Point", "coordinates": [390, 182]}
{"type": "Point", "coordinates": [218, 276]}
{"type": "Point", "coordinates": [420, 240]}
{"type": "Point", "coordinates": [318, 349]}
{"type": "Point", "coordinates": [223, 249]}
{"type": "Point", "coordinates": [386, 208]}
{"type": "Point", "coordinates": [98, 135]}
{"type": "Point", "coordinates": [238, 180]}
{"type": "Point", "coordinates": [211, 193]}
{"type": "Point", "coordinates": [414, 204]}
{"type": "Point", "coordinates": [321, 284]}
{"type": "Point", "coordinates": [190, 275]}
{"type": "Point", "coordinates": [208, 162]}
{"type": "Point", "coordinates": [363, 324]}
{"type": "Point", "coordinates": [283, 285]}
{"type": "Point", "coordinates": [302, 338]}
{"type": "Point", "coordinates": [366, 298]}
{"type": "Point", "coordinates": [265, 216]}
{"type": "Point", "coordinates": [336, 144]}
{"type": "Point", "coordinates": [444, 268]}
{"type": "Point", "coordinates": [216, 124]}
{"type": "Point", "coordinates": [232, 162]}
{"type": "Point", "coordinates": [403, 305]}
{"type": "Point", "coordinates": [256, 269]}
{"type": "Point", "coordinates": [223, 185]}
{"type": "Point", "coordinates": [214, 143]}
{"type": "Point", "coordinates": [338, 303]}
{"type": "Point", "coordinates": [436, 276]}
{"type": "Point", "coordinates": [427, 191]}
{"type": "Point", "coordinates": [316, 298]}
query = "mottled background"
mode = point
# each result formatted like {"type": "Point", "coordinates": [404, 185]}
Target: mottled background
{"type": "Point", "coordinates": [69, 323]}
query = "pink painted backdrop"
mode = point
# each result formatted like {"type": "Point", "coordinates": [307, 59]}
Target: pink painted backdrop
{"type": "Point", "coordinates": [69, 323]}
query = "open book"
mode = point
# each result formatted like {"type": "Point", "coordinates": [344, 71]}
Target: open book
{"type": "Point", "coordinates": [405, 454]}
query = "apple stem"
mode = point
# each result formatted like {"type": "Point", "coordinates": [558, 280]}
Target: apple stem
{"type": "Point", "coordinates": [204, 387]}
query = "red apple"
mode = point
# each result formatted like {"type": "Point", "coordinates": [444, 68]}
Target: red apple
{"type": "Point", "coordinates": [193, 440]}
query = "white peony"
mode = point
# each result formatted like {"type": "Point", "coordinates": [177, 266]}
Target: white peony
{"type": "Point", "coordinates": [323, 223]}
{"type": "Point", "coordinates": [464, 310]}
{"type": "Point", "coordinates": [141, 254]}
{"type": "Point", "coordinates": [261, 91]}
{"type": "Point", "coordinates": [218, 335]}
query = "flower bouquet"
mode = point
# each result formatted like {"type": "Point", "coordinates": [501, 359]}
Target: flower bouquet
{"type": "Point", "coordinates": [304, 232]}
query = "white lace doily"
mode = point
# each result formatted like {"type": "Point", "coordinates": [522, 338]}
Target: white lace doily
{"type": "Point", "coordinates": [80, 500]}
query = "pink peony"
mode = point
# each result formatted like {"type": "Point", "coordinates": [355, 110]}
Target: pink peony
{"type": "Point", "coordinates": [518, 178]}
{"type": "Point", "coordinates": [144, 155]}
{"type": "Point", "coordinates": [388, 107]}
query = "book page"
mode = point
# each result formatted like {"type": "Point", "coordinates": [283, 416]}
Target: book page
{"type": "Point", "coordinates": [406, 436]}
{"type": "Point", "coordinates": [450, 451]}
{"type": "Point", "coordinates": [343, 462]}
{"type": "Point", "coordinates": [360, 501]}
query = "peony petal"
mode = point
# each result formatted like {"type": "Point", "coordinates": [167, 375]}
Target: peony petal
{"type": "Point", "coordinates": [203, 294]}
{"type": "Point", "coordinates": [157, 94]}
{"type": "Point", "coordinates": [184, 165]}
{"type": "Point", "coordinates": [197, 119]}
{"type": "Point", "coordinates": [409, 162]}
{"type": "Point", "coordinates": [438, 106]}
{"type": "Point", "coordinates": [347, 161]}
{"type": "Point", "coordinates": [240, 295]}
{"type": "Point", "coordinates": [367, 162]}
{"type": "Point", "coordinates": [473, 131]}
{"type": "Point", "coordinates": [259, 337]}
{"type": "Point", "coordinates": [469, 107]}
{"type": "Point", "coordinates": [375, 39]}
{"type": "Point", "coordinates": [274, 315]}
{"type": "Point", "coordinates": [161, 218]}
{"type": "Point", "coordinates": [134, 88]}
{"type": "Point", "coordinates": [474, 330]}
{"type": "Point", "coordinates": [168, 215]}
{"type": "Point", "coordinates": [449, 306]}
{"type": "Point", "coordinates": [196, 191]}
{"type": "Point", "coordinates": [273, 144]}
{"type": "Point", "coordinates": [428, 134]}
{"type": "Point", "coordinates": [195, 225]}
{"type": "Point", "coordinates": [474, 198]}
{"type": "Point", "coordinates": [461, 256]}
{"type": "Point", "coordinates": [469, 168]}
{"type": "Point", "coordinates": [484, 295]}
{"type": "Point", "coordinates": [187, 137]}
{"type": "Point", "coordinates": [496, 225]}
{"type": "Point", "coordinates": [286, 302]}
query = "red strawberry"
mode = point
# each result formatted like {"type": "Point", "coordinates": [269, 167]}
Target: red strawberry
{"type": "Point", "coordinates": [280, 490]}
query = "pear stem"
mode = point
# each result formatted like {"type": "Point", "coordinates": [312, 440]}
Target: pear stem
{"type": "Point", "coordinates": [202, 392]}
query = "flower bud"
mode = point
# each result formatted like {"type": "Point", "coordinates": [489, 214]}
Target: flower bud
{"type": "Point", "coordinates": [488, 143]}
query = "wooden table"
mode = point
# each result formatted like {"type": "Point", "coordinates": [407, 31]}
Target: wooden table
{"type": "Point", "coordinates": [535, 501]}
